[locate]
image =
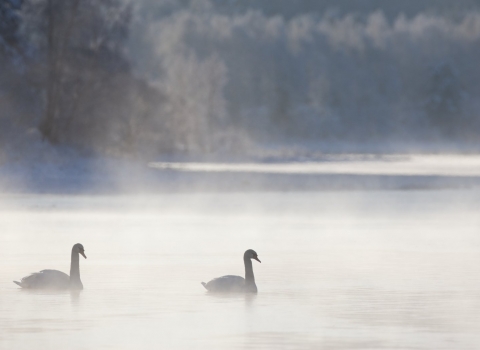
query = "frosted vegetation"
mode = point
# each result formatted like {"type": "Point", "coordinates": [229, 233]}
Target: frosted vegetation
{"type": "Point", "coordinates": [202, 77]}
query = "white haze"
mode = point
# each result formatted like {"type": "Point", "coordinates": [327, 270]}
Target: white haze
{"type": "Point", "coordinates": [376, 270]}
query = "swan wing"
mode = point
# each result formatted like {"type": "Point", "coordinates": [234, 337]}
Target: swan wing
{"type": "Point", "coordinates": [45, 279]}
{"type": "Point", "coordinates": [227, 283]}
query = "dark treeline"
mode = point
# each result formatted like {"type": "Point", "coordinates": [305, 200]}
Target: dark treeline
{"type": "Point", "coordinates": [200, 76]}
{"type": "Point", "coordinates": [76, 85]}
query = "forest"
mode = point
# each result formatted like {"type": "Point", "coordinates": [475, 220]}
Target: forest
{"type": "Point", "coordinates": [204, 77]}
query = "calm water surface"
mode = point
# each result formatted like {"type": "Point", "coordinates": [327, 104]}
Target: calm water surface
{"type": "Point", "coordinates": [340, 270]}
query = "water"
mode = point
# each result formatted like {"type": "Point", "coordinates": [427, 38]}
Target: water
{"type": "Point", "coordinates": [340, 270]}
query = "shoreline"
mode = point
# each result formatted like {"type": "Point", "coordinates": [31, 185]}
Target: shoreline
{"type": "Point", "coordinates": [335, 173]}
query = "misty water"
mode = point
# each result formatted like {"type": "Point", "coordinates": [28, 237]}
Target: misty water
{"type": "Point", "coordinates": [340, 270]}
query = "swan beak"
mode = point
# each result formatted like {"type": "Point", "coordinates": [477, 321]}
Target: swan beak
{"type": "Point", "coordinates": [83, 253]}
{"type": "Point", "coordinates": [256, 258]}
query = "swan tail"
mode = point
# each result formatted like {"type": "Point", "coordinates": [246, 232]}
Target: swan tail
{"type": "Point", "coordinates": [205, 285]}
{"type": "Point", "coordinates": [18, 283]}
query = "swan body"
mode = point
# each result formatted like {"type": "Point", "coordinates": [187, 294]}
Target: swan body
{"type": "Point", "coordinates": [236, 284]}
{"type": "Point", "coordinates": [54, 279]}
{"type": "Point", "coordinates": [38, 280]}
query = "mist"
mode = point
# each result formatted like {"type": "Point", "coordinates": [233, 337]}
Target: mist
{"type": "Point", "coordinates": [336, 268]}
{"type": "Point", "coordinates": [274, 174]}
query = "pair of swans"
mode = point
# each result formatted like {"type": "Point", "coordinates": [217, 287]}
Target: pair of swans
{"type": "Point", "coordinates": [54, 279]}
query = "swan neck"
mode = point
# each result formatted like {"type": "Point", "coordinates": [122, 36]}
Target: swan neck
{"type": "Point", "coordinates": [249, 277]}
{"type": "Point", "coordinates": [75, 267]}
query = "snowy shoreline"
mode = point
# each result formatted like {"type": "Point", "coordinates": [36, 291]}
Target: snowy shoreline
{"type": "Point", "coordinates": [335, 172]}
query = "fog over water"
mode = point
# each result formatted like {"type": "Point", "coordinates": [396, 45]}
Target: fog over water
{"type": "Point", "coordinates": [366, 270]}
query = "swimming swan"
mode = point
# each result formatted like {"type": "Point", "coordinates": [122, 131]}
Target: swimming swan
{"type": "Point", "coordinates": [228, 284]}
{"type": "Point", "coordinates": [54, 279]}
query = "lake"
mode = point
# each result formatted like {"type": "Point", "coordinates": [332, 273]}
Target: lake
{"type": "Point", "coordinates": [340, 270]}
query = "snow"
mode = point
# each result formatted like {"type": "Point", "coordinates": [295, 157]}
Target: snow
{"type": "Point", "coordinates": [66, 171]}
{"type": "Point", "coordinates": [400, 165]}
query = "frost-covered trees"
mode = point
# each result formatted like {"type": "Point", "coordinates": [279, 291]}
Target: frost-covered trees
{"type": "Point", "coordinates": [327, 78]}
{"type": "Point", "coordinates": [201, 76]}
{"type": "Point", "coordinates": [196, 106]}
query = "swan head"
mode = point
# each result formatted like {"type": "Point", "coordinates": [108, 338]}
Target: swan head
{"type": "Point", "coordinates": [251, 254]}
{"type": "Point", "coordinates": [78, 248]}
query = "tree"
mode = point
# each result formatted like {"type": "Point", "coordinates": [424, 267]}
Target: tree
{"type": "Point", "coordinates": [196, 103]}
{"type": "Point", "coordinates": [444, 101]}
{"type": "Point", "coordinates": [12, 85]}
{"type": "Point", "coordinates": [79, 47]}
{"type": "Point", "coordinates": [9, 24]}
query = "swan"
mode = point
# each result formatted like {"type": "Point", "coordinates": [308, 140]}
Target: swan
{"type": "Point", "coordinates": [54, 279]}
{"type": "Point", "coordinates": [229, 283]}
